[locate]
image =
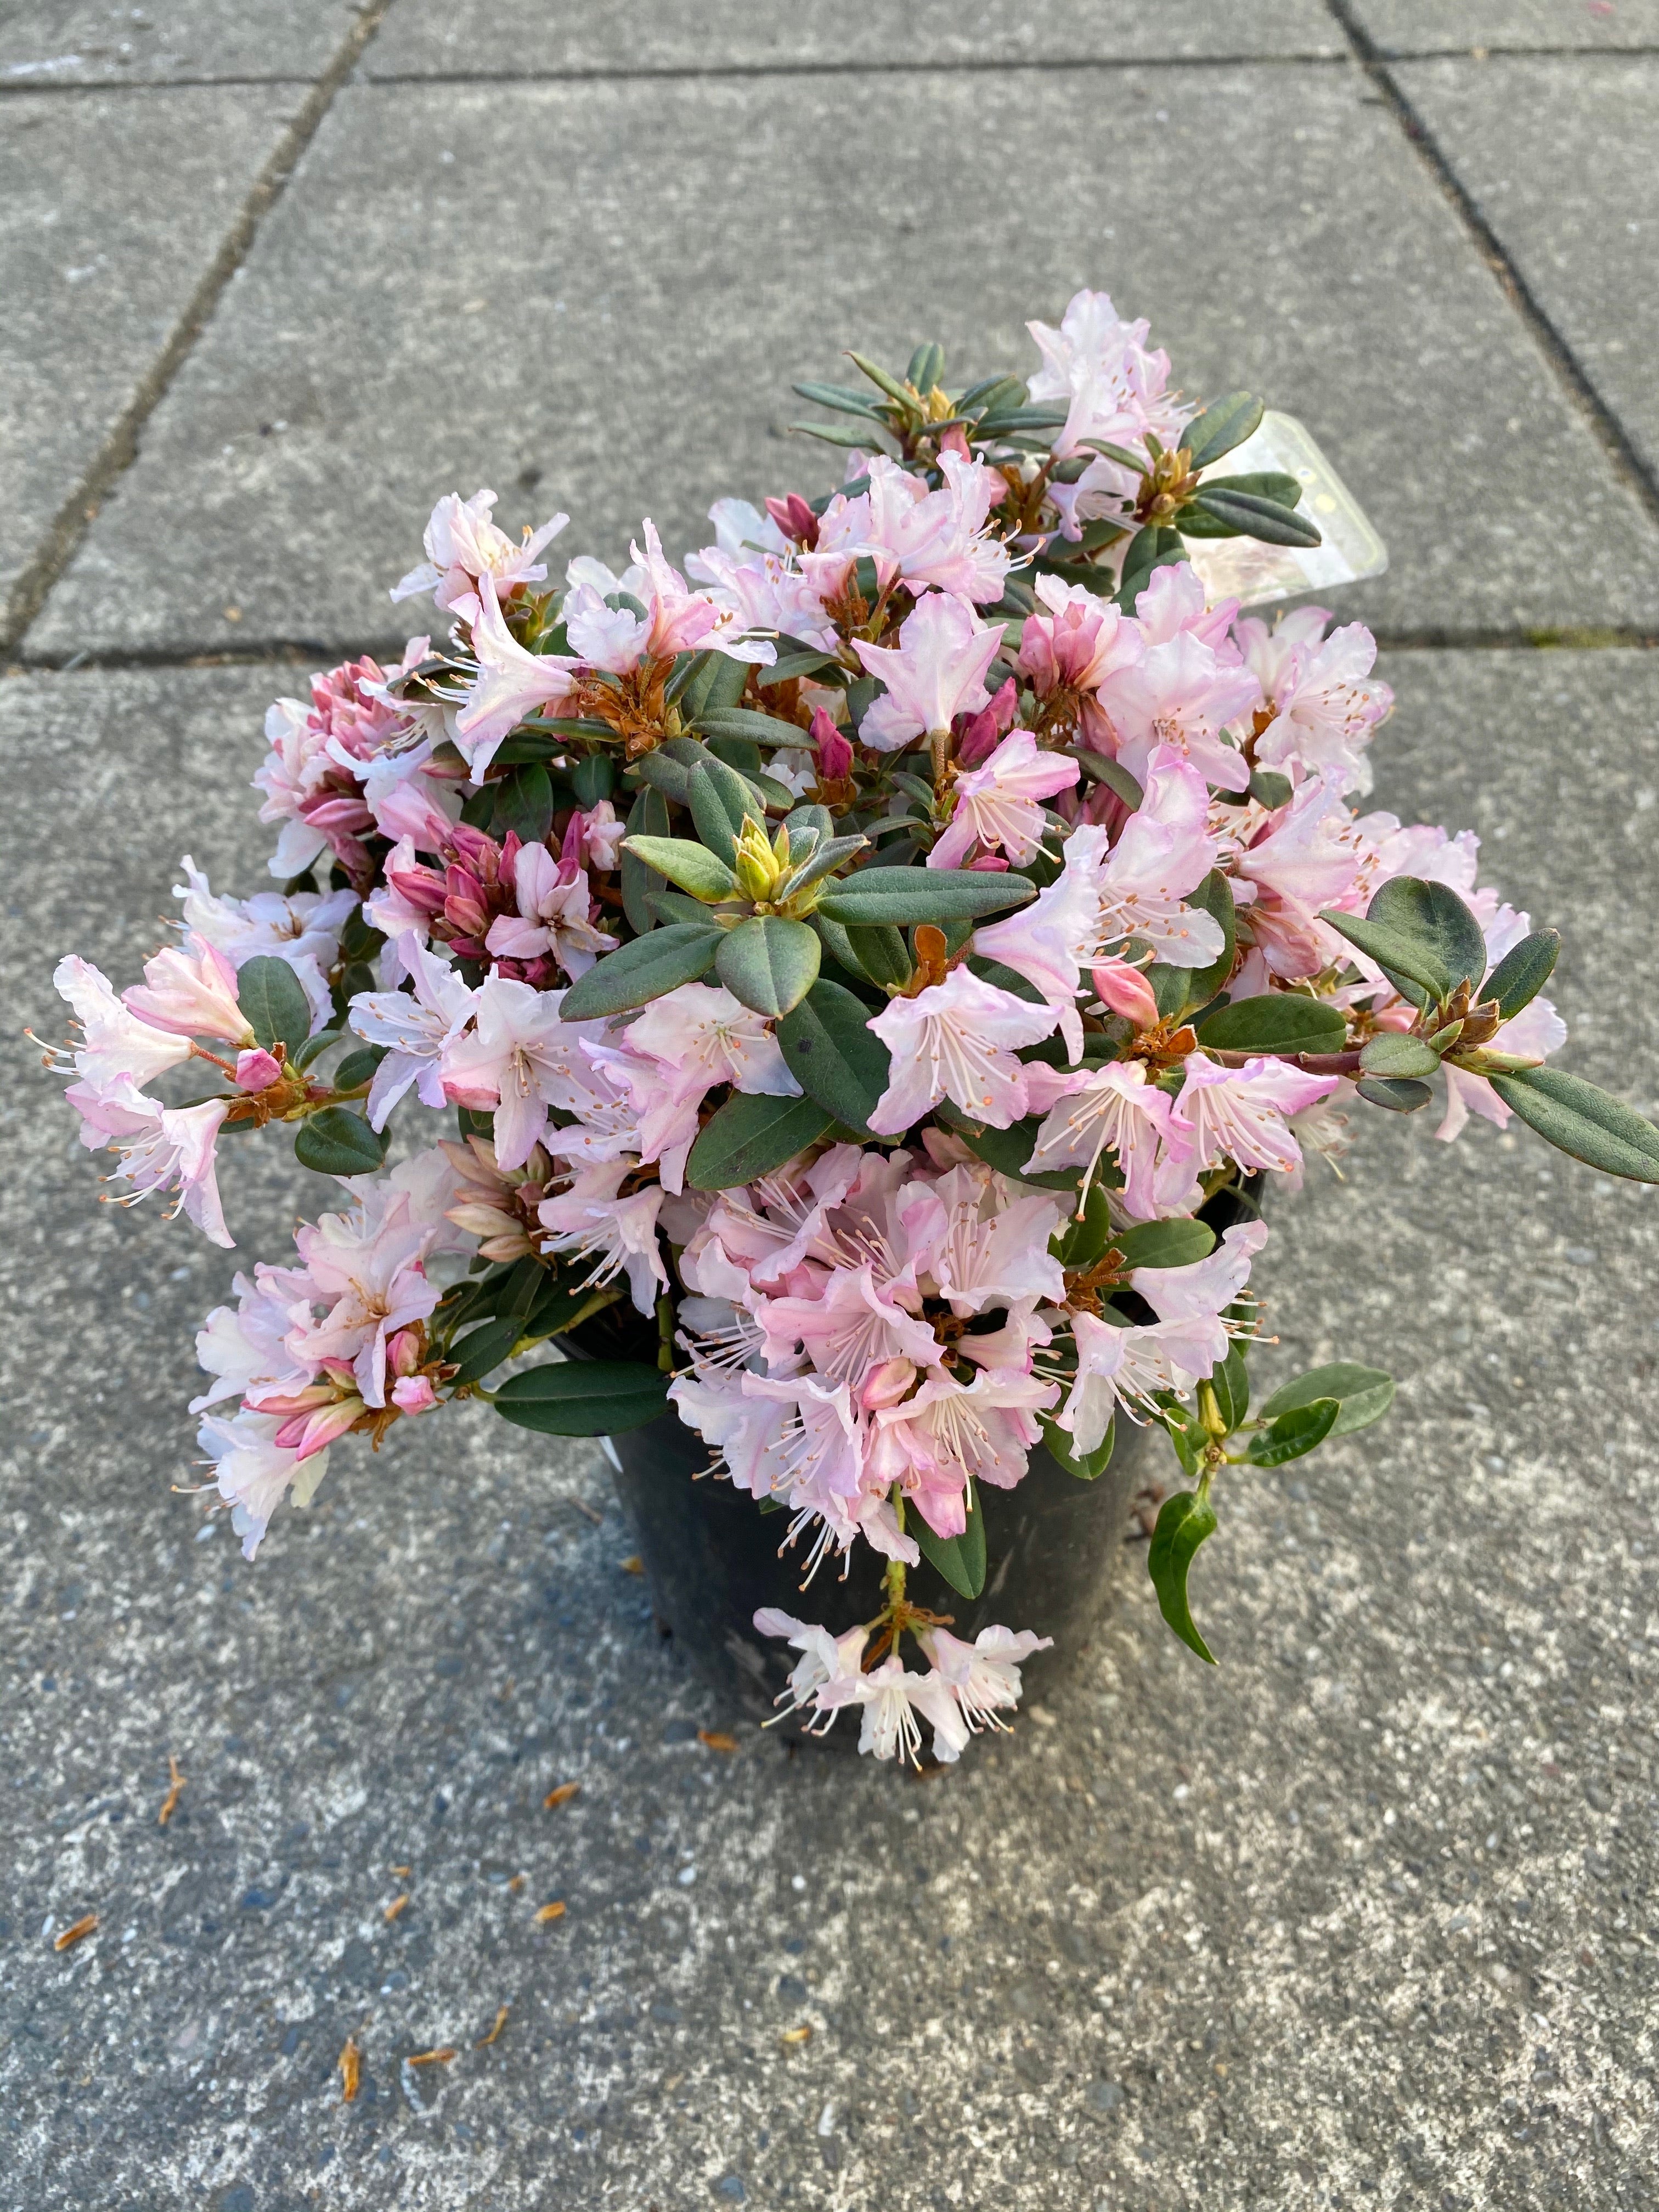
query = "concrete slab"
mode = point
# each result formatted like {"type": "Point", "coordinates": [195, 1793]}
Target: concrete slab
{"type": "Point", "coordinates": [1438, 27]}
{"type": "Point", "coordinates": [1585, 239]}
{"type": "Point", "coordinates": [54, 42]}
{"type": "Point", "coordinates": [531, 37]}
{"type": "Point", "coordinates": [97, 275]}
{"type": "Point", "coordinates": [629, 348]}
{"type": "Point", "coordinates": [1367, 1913]}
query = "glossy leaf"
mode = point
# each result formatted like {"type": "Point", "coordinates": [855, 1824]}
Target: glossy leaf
{"type": "Point", "coordinates": [960, 1560]}
{"type": "Point", "coordinates": [584, 1398]}
{"type": "Point", "coordinates": [1363, 1394]}
{"type": "Point", "coordinates": [1087, 1467]}
{"type": "Point", "coordinates": [1395, 1093]}
{"type": "Point", "coordinates": [1522, 972]}
{"type": "Point", "coordinates": [834, 1056]}
{"type": "Point", "coordinates": [484, 1349]}
{"type": "Point", "coordinates": [1578, 1119]}
{"type": "Point", "coordinates": [768, 964]}
{"type": "Point", "coordinates": [337, 1142]}
{"type": "Point", "coordinates": [1248, 516]}
{"type": "Point", "coordinates": [1276, 1021]}
{"type": "Point", "coordinates": [592, 779]}
{"type": "Point", "coordinates": [358, 1066]}
{"type": "Point", "coordinates": [1214, 896]}
{"type": "Point", "coordinates": [1224, 423]}
{"type": "Point", "coordinates": [1390, 1053]}
{"type": "Point", "coordinates": [1231, 1382]}
{"type": "Point", "coordinates": [647, 818]}
{"type": "Point", "coordinates": [1183, 1522]}
{"type": "Point", "coordinates": [1294, 1434]}
{"type": "Point", "coordinates": [1173, 1243]}
{"type": "Point", "coordinates": [277, 1010]}
{"type": "Point", "coordinates": [1433, 917]}
{"type": "Point", "coordinates": [643, 970]}
{"type": "Point", "coordinates": [523, 804]}
{"type": "Point", "coordinates": [750, 1136]}
{"type": "Point", "coordinates": [903, 895]}
{"type": "Point", "coordinates": [1270, 789]}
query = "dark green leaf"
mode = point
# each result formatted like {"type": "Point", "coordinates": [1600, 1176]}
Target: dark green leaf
{"type": "Point", "coordinates": [643, 970]}
{"type": "Point", "coordinates": [1395, 1093]}
{"type": "Point", "coordinates": [358, 1066]}
{"type": "Point", "coordinates": [1154, 547]}
{"type": "Point", "coordinates": [584, 1398]}
{"type": "Point", "coordinates": [1577, 1118]}
{"type": "Point", "coordinates": [649, 818]}
{"type": "Point", "coordinates": [761, 729]}
{"type": "Point", "coordinates": [1295, 1433]}
{"type": "Point", "coordinates": [1390, 1053]}
{"type": "Point", "coordinates": [1521, 974]}
{"type": "Point", "coordinates": [1077, 1243]}
{"type": "Point", "coordinates": [1434, 918]}
{"type": "Point", "coordinates": [1277, 1021]}
{"type": "Point", "coordinates": [1008, 1149]}
{"type": "Point", "coordinates": [675, 906]}
{"type": "Point", "coordinates": [768, 963]}
{"type": "Point", "coordinates": [1403, 960]}
{"type": "Point", "coordinates": [1224, 423]}
{"type": "Point", "coordinates": [337, 1142]}
{"type": "Point", "coordinates": [1363, 1394]}
{"type": "Point", "coordinates": [830, 1050]}
{"type": "Point", "coordinates": [750, 1136]}
{"type": "Point", "coordinates": [1230, 1383]}
{"type": "Point", "coordinates": [716, 680]}
{"type": "Point", "coordinates": [1270, 789]}
{"type": "Point", "coordinates": [1248, 516]}
{"type": "Point", "coordinates": [795, 660]}
{"type": "Point", "coordinates": [277, 1010]}
{"type": "Point", "coordinates": [926, 367]}
{"type": "Point", "coordinates": [1087, 1467]}
{"type": "Point", "coordinates": [523, 804]}
{"type": "Point", "coordinates": [960, 1560]}
{"type": "Point", "coordinates": [1173, 1243]}
{"type": "Point", "coordinates": [1214, 895]}
{"type": "Point", "coordinates": [1284, 489]}
{"type": "Point", "coordinates": [1115, 776]}
{"type": "Point", "coordinates": [838, 396]}
{"type": "Point", "coordinates": [904, 896]}
{"type": "Point", "coordinates": [833, 434]}
{"type": "Point", "coordinates": [314, 1048]}
{"type": "Point", "coordinates": [592, 779]}
{"type": "Point", "coordinates": [878, 953]}
{"type": "Point", "coordinates": [482, 1351]}
{"type": "Point", "coordinates": [1183, 1522]}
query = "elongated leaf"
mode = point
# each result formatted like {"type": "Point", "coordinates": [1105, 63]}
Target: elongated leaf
{"type": "Point", "coordinates": [643, 970]}
{"type": "Point", "coordinates": [1182, 1525]}
{"type": "Point", "coordinates": [675, 906]}
{"type": "Point", "coordinates": [1080, 1243]}
{"type": "Point", "coordinates": [593, 779]}
{"type": "Point", "coordinates": [1155, 547]}
{"type": "Point", "coordinates": [584, 1398]}
{"type": "Point", "coordinates": [1276, 484]}
{"type": "Point", "coordinates": [926, 367]}
{"type": "Point", "coordinates": [1277, 1021]}
{"type": "Point", "coordinates": [880, 954]}
{"type": "Point", "coordinates": [315, 1046]}
{"type": "Point", "coordinates": [830, 1050]}
{"type": "Point", "coordinates": [763, 729]}
{"type": "Point", "coordinates": [481, 1353]}
{"type": "Point", "coordinates": [1522, 972]}
{"type": "Point", "coordinates": [795, 659]}
{"type": "Point", "coordinates": [1396, 954]}
{"type": "Point", "coordinates": [666, 774]}
{"type": "Point", "coordinates": [1214, 895]}
{"type": "Point", "coordinates": [903, 895]}
{"type": "Point", "coordinates": [1436, 919]}
{"type": "Point", "coordinates": [337, 1142]}
{"type": "Point", "coordinates": [750, 1136]}
{"type": "Point", "coordinates": [1087, 1467]}
{"type": "Point", "coordinates": [647, 817]}
{"type": "Point", "coordinates": [1363, 1394]}
{"type": "Point", "coordinates": [1390, 1053]}
{"type": "Point", "coordinates": [1402, 1094]}
{"type": "Point", "coordinates": [693, 867]}
{"type": "Point", "coordinates": [883, 378]}
{"type": "Point", "coordinates": [768, 963]}
{"type": "Point", "coordinates": [1294, 1434]}
{"type": "Point", "coordinates": [960, 1560]}
{"type": "Point", "coordinates": [358, 1066]}
{"type": "Point", "coordinates": [836, 433]}
{"type": "Point", "coordinates": [523, 804]}
{"type": "Point", "coordinates": [838, 396]}
{"type": "Point", "coordinates": [277, 1010]}
{"type": "Point", "coordinates": [1230, 1383]}
{"type": "Point", "coordinates": [1224, 423]}
{"type": "Point", "coordinates": [1118, 778]}
{"type": "Point", "coordinates": [1577, 1118]}
{"type": "Point", "coordinates": [1008, 1149]}
{"type": "Point", "coordinates": [1247, 516]}
{"type": "Point", "coordinates": [1175, 1244]}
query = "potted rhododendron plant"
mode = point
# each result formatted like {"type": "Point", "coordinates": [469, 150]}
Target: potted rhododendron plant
{"type": "Point", "coordinates": [865, 990]}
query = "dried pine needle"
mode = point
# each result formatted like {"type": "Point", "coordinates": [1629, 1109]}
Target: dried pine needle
{"type": "Point", "coordinates": [397, 1906]}
{"type": "Point", "coordinates": [402, 1873]}
{"type": "Point", "coordinates": [593, 1515]}
{"type": "Point", "coordinates": [517, 1882]}
{"type": "Point", "coordinates": [432, 2057]}
{"type": "Point", "coordinates": [717, 1740]}
{"type": "Point", "coordinates": [501, 2022]}
{"type": "Point", "coordinates": [802, 2034]}
{"type": "Point", "coordinates": [632, 1565]}
{"type": "Point", "coordinates": [170, 1803]}
{"type": "Point", "coordinates": [554, 1911]}
{"type": "Point", "coordinates": [562, 1796]}
{"type": "Point", "coordinates": [77, 1933]}
{"type": "Point", "coordinates": [351, 2064]}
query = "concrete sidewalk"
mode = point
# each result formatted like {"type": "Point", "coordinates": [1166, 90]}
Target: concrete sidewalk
{"type": "Point", "coordinates": [1366, 1917]}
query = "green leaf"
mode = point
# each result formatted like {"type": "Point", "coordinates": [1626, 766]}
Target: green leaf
{"type": "Point", "coordinates": [838, 396]}
{"type": "Point", "coordinates": [1270, 789]}
{"type": "Point", "coordinates": [693, 867]}
{"type": "Point", "coordinates": [1118, 778]}
{"type": "Point", "coordinates": [830, 1050]}
{"type": "Point", "coordinates": [836, 433]}
{"type": "Point", "coordinates": [1395, 1093]}
{"type": "Point", "coordinates": [523, 804]}
{"type": "Point", "coordinates": [960, 1560]}
{"type": "Point", "coordinates": [1398, 956]}
{"type": "Point", "coordinates": [759, 729]}
{"type": "Point", "coordinates": [1230, 1383]}
{"type": "Point", "coordinates": [1277, 1021]}
{"type": "Point", "coordinates": [1008, 1149]}
{"type": "Point", "coordinates": [1087, 1467]}
{"type": "Point", "coordinates": [768, 963]}
{"type": "Point", "coordinates": [643, 970]}
{"type": "Point", "coordinates": [1434, 918]}
{"type": "Point", "coordinates": [277, 1011]}
{"type": "Point", "coordinates": [1174, 1244]}
{"type": "Point", "coordinates": [649, 818]}
{"type": "Point", "coordinates": [888, 383]}
{"type": "Point", "coordinates": [1079, 1243]}
{"type": "Point", "coordinates": [1224, 423]}
{"type": "Point", "coordinates": [1275, 484]}
{"type": "Point", "coordinates": [358, 1066]}
{"type": "Point", "coordinates": [337, 1142]}
{"type": "Point", "coordinates": [1363, 1395]}
{"type": "Point", "coordinates": [592, 779]}
{"type": "Point", "coordinates": [1295, 1433]}
{"type": "Point", "coordinates": [1248, 516]}
{"type": "Point", "coordinates": [716, 680]}
{"type": "Point", "coordinates": [926, 367]}
{"type": "Point", "coordinates": [1390, 1054]}
{"type": "Point", "coordinates": [878, 953]}
{"type": "Point", "coordinates": [1183, 1521]}
{"type": "Point", "coordinates": [1521, 974]}
{"type": "Point", "coordinates": [750, 1136]}
{"type": "Point", "coordinates": [1154, 547]}
{"type": "Point", "coordinates": [584, 1398]}
{"type": "Point", "coordinates": [486, 1347]}
{"type": "Point", "coordinates": [1577, 1118]}
{"type": "Point", "coordinates": [903, 895]}
{"type": "Point", "coordinates": [674, 906]}
{"type": "Point", "coordinates": [795, 659]}
{"type": "Point", "coordinates": [314, 1048]}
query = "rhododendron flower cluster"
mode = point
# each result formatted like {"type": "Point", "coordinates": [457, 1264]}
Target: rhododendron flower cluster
{"type": "Point", "coordinates": [866, 978]}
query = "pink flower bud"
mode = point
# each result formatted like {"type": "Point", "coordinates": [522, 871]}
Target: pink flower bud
{"type": "Point", "coordinates": [256, 1070]}
{"type": "Point", "coordinates": [887, 1385]}
{"type": "Point", "coordinates": [795, 518]}
{"type": "Point", "coordinates": [990, 864]}
{"type": "Point", "coordinates": [1126, 991]}
{"type": "Point", "coordinates": [978, 740]}
{"type": "Point", "coordinates": [414, 1394]}
{"type": "Point", "coordinates": [955, 441]}
{"type": "Point", "coordinates": [835, 752]}
{"type": "Point", "coordinates": [403, 1352]}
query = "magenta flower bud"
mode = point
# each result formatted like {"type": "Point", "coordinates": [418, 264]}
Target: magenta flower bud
{"type": "Point", "coordinates": [256, 1070]}
{"type": "Point", "coordinates": [978, 740]}
{"type": "Point", "coordinates": [887, 1385]}
{"type": "Point", "coordinates": [1126, 991]}
{"type": "Point", "coordinates": [795, 518]}
{"type": "Point", "coordinates": [835, 751]}
{"type": "Point", "coordinates": [990, 864]}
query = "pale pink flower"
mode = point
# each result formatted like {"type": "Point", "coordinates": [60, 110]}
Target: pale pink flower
{"type": "Point", "coordinates": [245, 1348]}
{"type": "Point", "coordinates": [1181, 693]}
{"type": "Point", "coordinates": [1326, 703]}
{"type": "Point", "coordinates": [816, 1461]}
{"type": "Point", "coordinates": [115, 1045]}
{"type": "Point", "coordinates": [602, 833]}
{"type": "Point", "coordinates": [591, 1221]}
{"type": "Point", "coordinates": [1122, 1369]}
{"type": "Point", "coordinates": [169, 1149]}
{"type": "Point", "coordinates": [254, 1474]}
{"type": "Point", "coordinates": [257, 1069]}
{"type": "Point", "coordinates": [742, 1431]}
{"type": "Point", "coordinates": [511, 684]}
{"type": "Point", "coordinates": [998, 805]}
{"type": "Point", "coordinates": [1116, 1108]}
{"type": "Point", "coordinates": [414, 1025]}
{"type": "Point", "coordinates": [1308, 858]}
{"type": "Point", "coordinates": [852, 1325]}
{"type": "Point", "coordinates": [937, 537]}
{"type": "Point", "coordinates": [936, 671]}
{"type": "Point", "coordinates": [762, 589]}
{"type": "Point", "coordinates": [891, 1698]}
{"type": "Point", "coordinates": [414, 1394]}
{"type": "Point", "coordinates": [517, 1061]}
{"type": "Point", "coordinates": [983, 1676]}
{"type": "Point", "coordinates": [463, 543]}
{"type": "Point", "coordinates": [825, 1658]}
{"type": "Point", "coordinates": [1240, 1113]}
{"type": "Point", "coordinates": [956, 1040]}
{"type": "Point", "coordinates": [189, 988]}
{"type": "Point", "coordinates": [1114, 385]}
{"type": "Point", "coordinates": [1199, 1294]}
{"type": "Point", "coordinates": [368, 1269]}
{"type": "Point", "coordinates": [674, 619]}
{"type": "Point", "coordinates": [982, 1243]}
{"type": "Point", "coordinates": [301, 927]}
{"type": "Point", "coordinates": [932, 1443]}
{"type": "Point", "coordinates": [703, 1035]}
{"type": "Point", "coordinates": [1077, 641]}
{"type": "Point", "coordinates": [553, 907]}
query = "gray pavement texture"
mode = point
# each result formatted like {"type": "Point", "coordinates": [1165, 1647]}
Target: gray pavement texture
{"type": "Point", "coordinates": [1419, 27]}
{"type": "Point", "coordinates": [76, 42]}
{"type": "Point", "coordinates": [1368, 1915]}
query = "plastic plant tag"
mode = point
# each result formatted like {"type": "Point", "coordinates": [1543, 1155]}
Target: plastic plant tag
{"type": "Point", "coordinates": [1245, 569]}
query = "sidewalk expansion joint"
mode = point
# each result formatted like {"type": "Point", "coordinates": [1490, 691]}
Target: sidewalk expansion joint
{"type": "Point", "coordinates": [120, 448]}
{"type": "Point", "coordinates": [1628, 464]}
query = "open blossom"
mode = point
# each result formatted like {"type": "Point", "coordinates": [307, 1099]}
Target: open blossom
{"type": "Point", "coordinates": [1115, 386]}
{"type": "Point", "coordinates": [367, 1268]}
{"type": "Point", "coordinates": [115, 1044]}
{"type": "Point", "coordinates": [1200, 1293]}
{"type": "Point", "coordinates": [983, 1676]}
{"type": "Point", "coordinates": [245, 1347]}
{"type": "Point", "coordinates": [517, 1060]}
{"type": "Point", "coordinates": [825, 1658]}
{"type": "Point", "coordinates": [414, 1025]}
{"type": "Point", "coordinates": [554, 909]}
{"type": "Point", "coordinates": [512, 683]}
{"type": "Point", "coordinates": [1116, 1109]}
{"type": "Point", "coordinates": [894, 1701]}
{"type": "Point", "coordinates": [1305, 858]}
{"type": "Point", "coordinates": [932, 1443]}
{"type": "Point", "coordinates": [253, 1473]}
{"type": "Point", "coordinates": [1121, 1368]}
{"type": "Point", "coordinates": [956, 1040]}
{"type": "Point", "coordinates": [671, 618]}
{"type": "Point", "coordinates": [167, 1149]}
{"type": "Point", "coordinates": [591, 1220]}
{"type": "Point", "coordinates": [997, 806]}
{"type": "Point", "coordinates": [1076, 642]}
{"type": "Point", "coordinates": [191, 989]}
{"type": "Point", "coordinates": [301, 927]}
{"type": "Point", "coordinates": [1326, 703]}
{"type": "Point", "coordinates": [936, 671]}
{"type": "Point", "coordinates": [937, 537]}
{"type": "Point", "coordinates": [322, 750]}
{"type": "Point", "coordinates": [750, 572]}
{"type": "Point", "coordinates": [701, 1034]}
{"type": "Point", "coordinates": [463, 543]}
{"type": "Point", "coordinates": [1240, 1113]}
